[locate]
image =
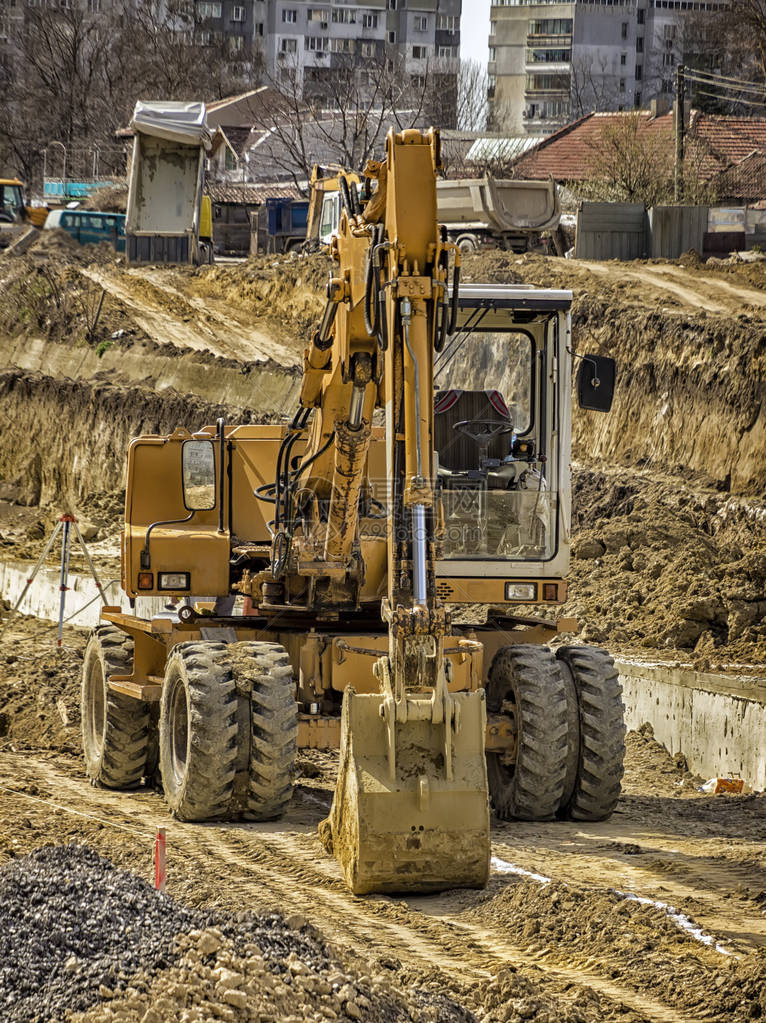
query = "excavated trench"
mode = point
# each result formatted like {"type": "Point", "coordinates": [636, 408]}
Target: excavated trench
{"type": "Point", "coordinates": [669, 564]}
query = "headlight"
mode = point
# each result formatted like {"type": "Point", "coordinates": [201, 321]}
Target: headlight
{"type": "Point", "coordinates": [173, 581]}
{"type": "Point", "coordinates": [520, 591]}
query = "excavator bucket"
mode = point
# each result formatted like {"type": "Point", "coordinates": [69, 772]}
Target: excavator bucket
{"type": "Point", "coordinates": [404, 819]}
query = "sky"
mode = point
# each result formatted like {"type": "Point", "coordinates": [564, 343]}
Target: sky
{"type": "Point", "coordinates": [474, 30]}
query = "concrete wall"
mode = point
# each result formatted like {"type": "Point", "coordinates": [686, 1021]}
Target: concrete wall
{"type": "Point", "coordinates": [42, 598]}
{"type": "Point", "coordinates": [717, 721]}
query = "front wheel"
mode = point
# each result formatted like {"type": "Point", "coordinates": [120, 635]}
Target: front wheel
{"type": "Point", "coordinates": [198, 731]}
{"type": "Point", "coordinates": [526, 684]}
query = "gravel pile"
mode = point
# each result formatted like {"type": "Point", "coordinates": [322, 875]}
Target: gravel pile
{"type": "Point", "coordinates": [79, 936]}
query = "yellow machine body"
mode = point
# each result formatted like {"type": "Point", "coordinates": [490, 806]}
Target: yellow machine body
{"type": "Point", "coordinates": [353, 536]}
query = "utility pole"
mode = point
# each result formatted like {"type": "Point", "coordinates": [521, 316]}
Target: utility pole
{"type": "Point", "coordinates": [680, 124]}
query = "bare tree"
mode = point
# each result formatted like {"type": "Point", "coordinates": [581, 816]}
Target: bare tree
{"type": "Point", "coordinates": [472, 85]}
{"type": "Point", "coordinates": [77, 75]}
{"type": "Point", "coordinates": [338, 114]}
{"type": "Point", "coordinates": [630, 161]}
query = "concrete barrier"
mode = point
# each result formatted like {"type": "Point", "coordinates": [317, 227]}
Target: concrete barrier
{"type": "Point", "coordinates": [717, 721]}
{"type": "Point", "coordinates": [83, 604]}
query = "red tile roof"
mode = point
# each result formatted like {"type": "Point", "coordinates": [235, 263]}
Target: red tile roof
{"type": "Point", "coordinates": [569, 154]}
{"type": "Point", "coordinates": [713, 144]}
{"type": "Point", "coordinates": [744, 181]}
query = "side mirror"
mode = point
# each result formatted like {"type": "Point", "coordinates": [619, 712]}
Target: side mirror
{"type": "Point", "coordinates": [198, 471]}
{"type": "Point", "coordinates": [596, 378]}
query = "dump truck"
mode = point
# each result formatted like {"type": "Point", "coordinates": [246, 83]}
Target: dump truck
{"type": "Point", "coordinates": [475, 212]}
{"type": "Point", "coordinates": [167, 218]}
{"type": "Point", "coordinates": [365, 577]}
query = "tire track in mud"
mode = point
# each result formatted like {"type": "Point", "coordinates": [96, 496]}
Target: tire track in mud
{"type": "Point", "coordinates": [704, 890]}
{"type": "Point", "coordinates": [282, 865]}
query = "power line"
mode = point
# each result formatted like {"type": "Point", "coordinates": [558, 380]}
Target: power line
{"type": "Point", "coordinates": [730, 88]}
{"type": "Point", "coordinates": [718, 77]}
{"type": "Point", "coordinates": [727, 99]}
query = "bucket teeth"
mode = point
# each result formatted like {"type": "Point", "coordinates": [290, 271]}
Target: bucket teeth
{"type": "Point", "coordinates": [426, 828]}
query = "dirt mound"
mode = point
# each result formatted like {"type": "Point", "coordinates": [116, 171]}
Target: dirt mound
{"type": "Point", "coordinates": [66, 466]}
{"type": "Point", "coordinates": [112, 199]}
{"type": "Point", "coordinates": [290, 290]}
{"type": "Point", "coordinates": [642, 945]}
{"type": "Point", "coordinates": [659, 565]}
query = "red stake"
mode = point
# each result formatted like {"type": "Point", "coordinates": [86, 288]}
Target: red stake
{"type": "Point", "coordinates": [160, 845]}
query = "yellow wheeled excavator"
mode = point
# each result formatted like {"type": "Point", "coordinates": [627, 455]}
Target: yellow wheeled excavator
{"type": "Point", "coordinates": [353, 580]}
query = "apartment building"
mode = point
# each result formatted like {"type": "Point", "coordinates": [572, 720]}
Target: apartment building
{"type": "Point", "coordinates": [552, 62]}
{"type": "Point", "coordinates": [314, 37]}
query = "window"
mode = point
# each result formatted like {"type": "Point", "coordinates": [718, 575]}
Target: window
{"type": "Point", "coordinates": [419, 52]}
{"type": "Point", "coordinates": [289, 16]}
{"type": "Point", "coordinates": [258, 29]}
{"type": "Point", "coordinates": [641, 16]}
{"type": "Point", "coordinates": [548, 56]}
{"type": "Point", "coordinates": [288, 45]}
{"type": "Point", "coordinates": [551, 27]}
{"type": "Point", "coordinates": [319, 44]}
{"type": "Point", "coordinates": [421, 23]}
{"type": "Point", "coordinates": [392, 5]}
{"type": "Point", "coordinates": [237, 13]}
{"type": "Point", "coordinates": [451, 23]}
{"type": "Point", "coordinates": [669, 31]}
{"type": "Point", "coordinates": [94, 6]}
{"type": "Point", "coordinates": [318, 14]}
{"type": "Point", "coordinates": [209, 10]}
{"type": "Point", "coordinates": [639, 44]}
{"type": "Point", "coordinates": [668, 59]}
{"type": "Point", "coordinates": [235, 43]}
{"type": "Point", "coordinates": [369, 21]}
{"type": "Point", "coordinates": [392, 37]}
{"type": "Point", "coordinates": [343, 46]}
{"type": "Point", "coordinates": [4, 30]}
{"type": "Point", "coordinates": [492, 54]}
{"type": "Point", "coordinates": [622, 85]}
{"type": "Point", "coordinates": [368, 49]}
{"type": "Point", "coordinates": [639, 72]}
{"type": "Point", "coordinates": [344, 17]}
{"type": "Point", "coordinates": [547, 83]}
{"type": "Point", "coordinates": [624, 30]}
{"type": "Point", "coordinates": [623, 59]}
{"type": "Point", "coordinates": [448, 52]}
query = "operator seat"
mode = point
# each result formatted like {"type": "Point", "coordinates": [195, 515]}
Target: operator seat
{"type": "Point", "coordinates": [457, 452]}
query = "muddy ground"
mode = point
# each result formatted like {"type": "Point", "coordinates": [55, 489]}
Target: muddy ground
{"type": "Point", "coordinates": [566, 944]}
{"type": "Point", "coordinates": [669, 560]}
{"type": "Point", "coordinates": [669, 489]}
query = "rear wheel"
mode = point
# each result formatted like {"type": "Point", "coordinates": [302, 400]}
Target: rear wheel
{"type": "Point", "coordinates": [115, 728]}
{"type": "Point", "coordinates": [596, 735]}
{"type": "Point", "coordinates": [198, 731]}
{"type": "Point", "coordinates": [525, 682]}
{"type": "Point", "coordinates": [265, 671]}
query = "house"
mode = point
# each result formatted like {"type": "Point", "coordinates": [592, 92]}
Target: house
{"type": "Point", "coordinates": [725, 154]}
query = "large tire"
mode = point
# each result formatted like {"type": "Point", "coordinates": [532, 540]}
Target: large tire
{"type": "Point", "coordinates": [526, 680]}
{"type": "Point", "coordinates": [198, 731]}
{"type": "Point", "coordinates": [115, 728]}
{"type": "Point", "coordinates": [597, 740]}
{"type": "Point", "coordinates": [264, 669]}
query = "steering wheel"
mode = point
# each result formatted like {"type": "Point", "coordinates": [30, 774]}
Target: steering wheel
{"type": "Point", "coordinates": [6, 217]}
{"type": "Point", "coordinates": [482, 431]}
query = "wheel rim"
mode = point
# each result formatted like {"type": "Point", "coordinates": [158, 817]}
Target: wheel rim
{"type": "Point", "coordinates": [96, 706]}
{"type": "Point", "coordinates": [179, 731]}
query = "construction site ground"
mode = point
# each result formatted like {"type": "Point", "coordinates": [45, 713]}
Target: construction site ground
{"type": "Point", "coordinates": [657, 914]}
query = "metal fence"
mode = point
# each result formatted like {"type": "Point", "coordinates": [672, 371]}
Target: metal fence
{"type": "Point", "coordinates": [610, 230]}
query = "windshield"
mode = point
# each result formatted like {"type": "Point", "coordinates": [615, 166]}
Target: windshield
{"type": "Point", "coordinates": [491, 362]}
{"type": "Point", "coordinates": [11, 199]}
{"type": "Point", "coordinates": [495, 500]}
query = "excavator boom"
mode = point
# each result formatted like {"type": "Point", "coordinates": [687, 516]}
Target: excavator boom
{"type": "Point", "coordinates": [411, 805]}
